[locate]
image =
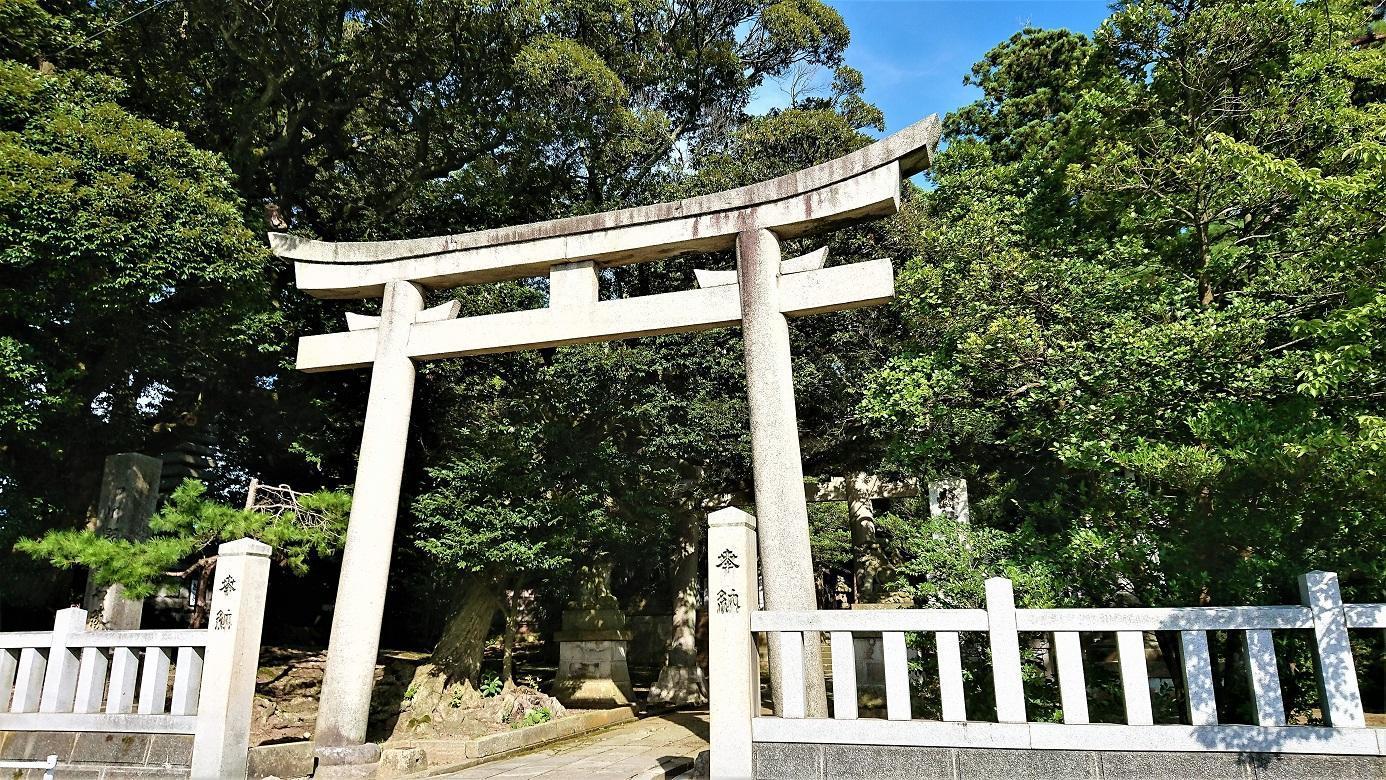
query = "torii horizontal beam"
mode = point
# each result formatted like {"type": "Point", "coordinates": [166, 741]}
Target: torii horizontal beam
{"type": "Point", "coordinates": [578, 322]}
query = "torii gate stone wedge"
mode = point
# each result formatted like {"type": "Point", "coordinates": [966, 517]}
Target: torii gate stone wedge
{"type": "Point", "coordinates": [571, 252]}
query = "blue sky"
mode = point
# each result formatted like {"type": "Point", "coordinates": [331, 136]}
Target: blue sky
{"type": "Point", "coordinates": [914, 53]}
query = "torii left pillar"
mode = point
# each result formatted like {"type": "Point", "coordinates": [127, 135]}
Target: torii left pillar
{"type": "Point", "coordinates": [786, 558]}
{"type": "Point", "coordinates": [344, 707]}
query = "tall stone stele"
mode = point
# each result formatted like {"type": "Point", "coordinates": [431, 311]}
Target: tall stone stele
{"type": "Point", "coordinates": [592, 667]}
{"type": "Point", "coordinates": [129, 495]}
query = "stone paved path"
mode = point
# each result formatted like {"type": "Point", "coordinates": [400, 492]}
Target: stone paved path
{"type": "Point", "coordinates": [653, 747]}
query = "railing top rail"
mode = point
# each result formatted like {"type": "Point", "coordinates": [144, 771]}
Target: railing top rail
{"type": "Point", "coordinates": [1164, 619]}
{"type": "Point", "coordinates": [160, 637]}
{"type": "Point", "coordinates": [116, 723]}
{"type": "Point", "coordinates": [15, 640]}
{"type": "Point", "coordinates": [1365, 615]}
{"type": "Point", "coordinates": [1076, 619]}
{"type": "Point", "coordinates": [872, 620]}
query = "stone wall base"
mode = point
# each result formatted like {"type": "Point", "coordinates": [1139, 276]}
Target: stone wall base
{"type": "Point", "coordinates": [799, 761]}
{"type": "Point", "coordinates": [100, 756]}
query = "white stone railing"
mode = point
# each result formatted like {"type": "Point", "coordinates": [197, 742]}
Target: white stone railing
{"type": "Point", "coordinates": [735, 690]}
{"type": "Point", "coordinates": [75, 679]}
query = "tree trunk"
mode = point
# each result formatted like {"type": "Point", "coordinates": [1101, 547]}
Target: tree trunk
{"type": "Point", "coordinates": [457, 655]}
{"type": "Point", "coordinates": [510, 610]}
{"type": "Point", "coordinates": [508, 658]}
{"type": "Point", "coordinates": [202, 612]}
{"type": "Point", "coordinates": [681, 681]}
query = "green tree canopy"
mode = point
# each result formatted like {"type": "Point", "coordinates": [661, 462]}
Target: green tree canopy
{"type": "Point", "coordinates": [134, 294]}
{"type": "Point", "coordinates": [1145, 318]}
{"type": "Point", "coordinates": [184, 537]}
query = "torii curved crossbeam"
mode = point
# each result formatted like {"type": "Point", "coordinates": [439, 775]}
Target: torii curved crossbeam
{"type": "Point", "coordinates": [862, 185]}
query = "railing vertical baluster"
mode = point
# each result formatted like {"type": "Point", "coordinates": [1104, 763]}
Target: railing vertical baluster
{"type": "Point", "coordinates": [1073, 687]}
{"type": "Point", "coordinates": [1005, 651]}
{"type": "Point", "coordinates": [1135, 680]}
{"type": "Point", "coordinates": [60, 678]}
{"type": "Point", "coordinates": [791, 644]}
{"type": "Point", "coordinates": [91, 681]}
{"type": "Point", "coordinates": [950, 676]}
{"type": "Point", "coordinates": [28, 683]}
{"type": "Point", "coordinates": [1198, 678]}
{"type": "Point", "coordinates": [125, 664]}
{"type": "Point", "coordinates": [187, 681]}
{"type": "Point", "coordinates": [1337, 673]}
{"type": "Point", "coordinates": [844, 676]}
{"type": "Point", "coordinates": [9, 666]}
{"type": "Point", "coordinates": [1264, 677]}
{"type": "Point", "coordinates": [897, 675]}
{"type": "Point", "coordinates": [154, 682]}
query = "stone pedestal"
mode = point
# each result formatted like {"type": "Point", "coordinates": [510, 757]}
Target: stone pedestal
{"type": "Point", "coordinates": [592, 666]}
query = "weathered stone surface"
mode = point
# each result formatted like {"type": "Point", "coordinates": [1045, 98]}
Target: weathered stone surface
{"type": "Point", "coordinates": [287, 759]}
{"type": "Point", "coordinates": [233, 649]}
{"type": "Point", "coordinates": [702, 766]}
{"type": "Point", "coordinates": [97, 748]}
{"type": "Point", "coordinates": [65, 772]}
{"type": "Point", "coordinates": [586, 618]}
{"type": "Point", "coordinates": [882, 763]}
{"type": "Point", "coordinates": [787, 761]}
{"type": "Point", "coordinates": [948, 498]}
{"type": "Point", "coordinates": [1315, 767]}
{"type": "Point", "coordinates": [529, 736]}
{"type": "Point", "coordinates": [36, 745]}
{"type": "Point", "coordinates": [396, 762]}
{"type": "Point", "coordinates": [170, 749]}
{"type": "Point", "coordinates": [840, 288]}
{"type": "Point", "coordinates": [1144, 766]}
{"type": "Point", "coordinates": [346, 772]}
{"type": "Point", "coordinates": [138, 773]}
{"type": "Point", "coordinates": [338, 755]}
{"type": "Point", "coordinates": [1026, 764]}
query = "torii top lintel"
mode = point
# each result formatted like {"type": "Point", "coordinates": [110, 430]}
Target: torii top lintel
{"type": "Point", "coordinates": [862, 185]}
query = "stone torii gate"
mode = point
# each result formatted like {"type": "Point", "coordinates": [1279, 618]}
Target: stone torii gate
{"type": "Point", "coordinates": [570, 252]}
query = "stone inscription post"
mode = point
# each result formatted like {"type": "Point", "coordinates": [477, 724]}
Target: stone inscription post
{"type": "Point", "coordinates": [571, 252]}
{"type": "Point", "coordinates": [231, 660]}
{"type": "Point", "coordinates": [734, 665]}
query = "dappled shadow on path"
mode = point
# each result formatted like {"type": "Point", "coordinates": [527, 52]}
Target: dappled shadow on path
{"type": "Point", "coordinates": [695, 722]}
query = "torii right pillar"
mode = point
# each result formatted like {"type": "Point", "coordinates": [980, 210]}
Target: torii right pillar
{"type": "Point", "coordinates": [786, 558]}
